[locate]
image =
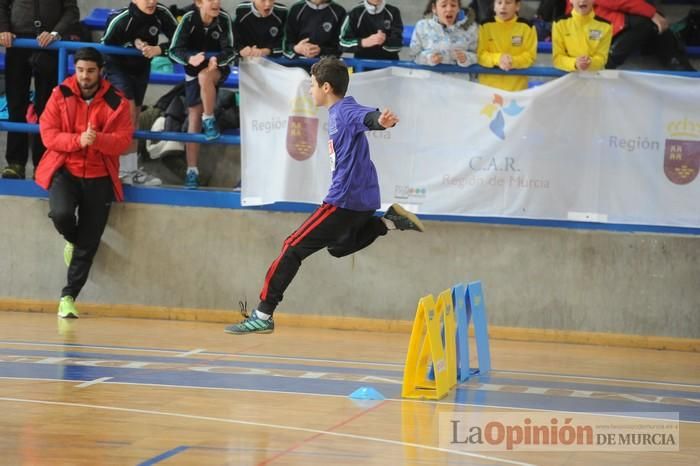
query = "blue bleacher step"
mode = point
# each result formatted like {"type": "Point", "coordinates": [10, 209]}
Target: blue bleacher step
{"type": "Point", "coordinates": [366, 393]}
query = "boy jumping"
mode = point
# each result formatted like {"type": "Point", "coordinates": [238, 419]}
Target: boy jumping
{"type": "Point", "coordinates": [345, 223]}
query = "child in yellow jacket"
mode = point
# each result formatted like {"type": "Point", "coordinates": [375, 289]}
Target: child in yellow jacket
{"type": "Point", "coordinates": [581, 40]}
{"type": "Point", "coordinates": [507, 42]}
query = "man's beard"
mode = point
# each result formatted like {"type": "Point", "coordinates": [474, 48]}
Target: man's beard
{"type": "Point", "coordinates": [88, 90]}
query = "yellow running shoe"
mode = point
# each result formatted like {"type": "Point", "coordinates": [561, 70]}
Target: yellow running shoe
{"type": "Point", "coordinates": [66, 308]}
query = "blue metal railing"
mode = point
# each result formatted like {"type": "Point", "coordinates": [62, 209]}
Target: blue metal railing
{"type": "Point", "coordinates": [64, 47]}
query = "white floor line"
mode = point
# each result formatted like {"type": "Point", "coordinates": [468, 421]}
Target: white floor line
{"type": "Point", "coordinates": [236, 355]}
{"type": "Point", "coordinates": [266, 425]}
{"type": "Point", "coordinates": [113, 348]}
{"type": "Point", "coordinates": [329, 395]}
{"type": "Point", "coordinates": [190, 353]}
{"type": "Point", "coordinates": [93, 382]}
{"type": "Point", "coordinates": [591, 377]}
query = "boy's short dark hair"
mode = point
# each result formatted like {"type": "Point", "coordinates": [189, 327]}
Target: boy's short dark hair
{"type": "Point", "coordinates": [89, 54]}
{"type": "Point", "coordinates": [332, 71]}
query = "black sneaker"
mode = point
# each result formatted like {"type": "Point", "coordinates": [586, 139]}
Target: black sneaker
{"type": "Point", "coordinates": [403, 219]}
{"type": "Point", "coordinates": [251, 325]}
{"type": "Point", "coordinates": [13, 172]}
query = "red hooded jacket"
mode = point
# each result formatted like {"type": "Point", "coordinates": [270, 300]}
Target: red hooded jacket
{"type": "Point", "coordinates": [66, 117]}
{"type": "Point", "coordinates": [614, 11]}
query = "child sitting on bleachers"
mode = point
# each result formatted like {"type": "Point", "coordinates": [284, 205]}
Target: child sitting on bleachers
{"type": "Point", "coordinates": [448, 35]}
{"type": "Point", "coordinates": [137, 26]}
{"type": "Point", "coordinates": [313, 28]}
{"type": "Point", "coordinates": [507, 42]}
{"type": "Point", "coordinates": [206, 29]}
{"type": "Point", "coordinates": [258, 28]}
{"type": "Point", "coordinates": [373, 30]}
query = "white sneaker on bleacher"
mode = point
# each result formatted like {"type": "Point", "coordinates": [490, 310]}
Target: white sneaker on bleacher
{"type": "Point", "coordinates": [144, 179]}
{"type": "Point", "coordinates": [139, 177]}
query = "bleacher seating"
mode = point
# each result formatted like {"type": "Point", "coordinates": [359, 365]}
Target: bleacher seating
{"type": "Point", "coordinates": [98, 17]}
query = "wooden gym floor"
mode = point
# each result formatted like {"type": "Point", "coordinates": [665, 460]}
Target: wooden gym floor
{"type": "Point", "coordinates": [108, 391]}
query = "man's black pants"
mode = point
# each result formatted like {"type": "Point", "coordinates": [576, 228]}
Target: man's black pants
{"type": "Point", "coordinates": [641, 34]}
{"type": "Point", "coordinates": [91, 199]}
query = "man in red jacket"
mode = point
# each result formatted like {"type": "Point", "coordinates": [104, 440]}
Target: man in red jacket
{"type": "Point", "coordinates": [85, 126]}
{"type": "Point", "coordinates": [637, 25]}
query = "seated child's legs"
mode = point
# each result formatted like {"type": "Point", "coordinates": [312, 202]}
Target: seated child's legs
{"type": "Point", "coordinates": [202, 91]}
{"type": "Point", "coordinates": [133, 86]}
{"type": "Point", "coordinates": [209, 81]}
{"type": "Point", "coordinates": [194, 125]}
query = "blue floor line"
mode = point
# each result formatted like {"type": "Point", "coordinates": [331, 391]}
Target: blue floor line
{"type": "Point", "coordinates": [398, 375]}
{"type": "Point", "coordinates": [463, 395]}
{"type": "Point", "coordinates": [239, 381]}
{"type": "Point", "coordinates": [339, 361]}
{"type": "Point", "coordinates": [202, 362]}
{"type": "Point", "coordinates": [164, 456]}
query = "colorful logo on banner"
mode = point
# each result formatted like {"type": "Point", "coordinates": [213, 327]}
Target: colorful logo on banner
{"type": "Point", "coordinates": [682, 156]}
{"type": "Point", "coordinates": [496, 111]}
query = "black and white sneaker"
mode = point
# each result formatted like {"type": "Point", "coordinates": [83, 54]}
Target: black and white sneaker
{"type": "Point", "coordinates": [403, 219]}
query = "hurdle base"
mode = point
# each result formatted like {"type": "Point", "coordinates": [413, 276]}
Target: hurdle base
{"type": "Point", "coordinates": [472, 371]}
{"type": "Point", "coordinates": [424, 394]}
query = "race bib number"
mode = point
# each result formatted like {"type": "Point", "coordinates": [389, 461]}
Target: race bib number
{"type": "Point", "coordinates": [331, 154]}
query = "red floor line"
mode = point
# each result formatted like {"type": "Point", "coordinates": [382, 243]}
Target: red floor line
{"type": "Point", "coordinates": [315, 436]}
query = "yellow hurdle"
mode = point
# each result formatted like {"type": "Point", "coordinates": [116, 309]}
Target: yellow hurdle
{"type": "Point", "coordinates": [426, 349]}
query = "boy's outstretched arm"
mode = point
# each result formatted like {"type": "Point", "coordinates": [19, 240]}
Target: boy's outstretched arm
{"type": "Point", "coordinates": [380, 120]}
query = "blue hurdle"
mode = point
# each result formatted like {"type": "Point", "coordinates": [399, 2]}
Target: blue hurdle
{"type": "Point", "coordinates": [468, 303]}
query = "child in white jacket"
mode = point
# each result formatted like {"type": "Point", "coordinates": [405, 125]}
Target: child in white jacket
{"type": "Point", "coordinates": [448, 35]}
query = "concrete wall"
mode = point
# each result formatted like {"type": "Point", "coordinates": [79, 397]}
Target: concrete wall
{"type": "Point", "coordinates": [642, 284]}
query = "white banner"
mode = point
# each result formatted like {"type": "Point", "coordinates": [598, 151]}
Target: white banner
{"type": "Point", "coordinates": [618, 147]}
